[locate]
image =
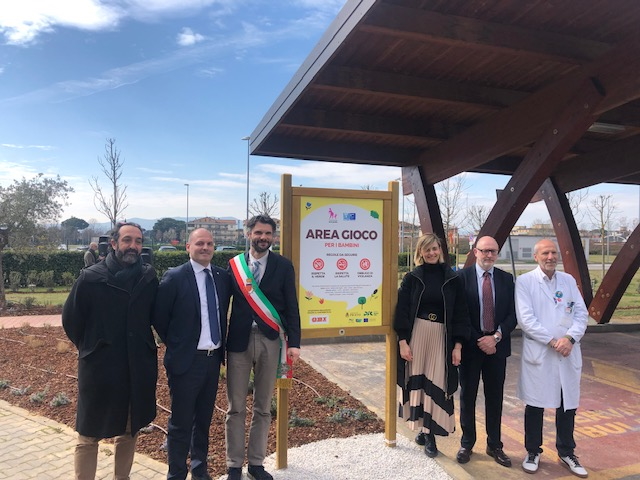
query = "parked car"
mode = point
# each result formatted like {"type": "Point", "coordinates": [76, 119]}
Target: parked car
{"type": "Point", "coordinates": [167, 248]}
{"type": "Point", "coordinates": [225, 248]}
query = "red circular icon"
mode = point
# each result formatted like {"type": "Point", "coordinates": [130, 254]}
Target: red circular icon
{"type": "Point", "coordinates": [318, 264]}
{"type": "Point", "coordinates": [365, 264]}
{"type": "Point", "coordinates": [342, 264]}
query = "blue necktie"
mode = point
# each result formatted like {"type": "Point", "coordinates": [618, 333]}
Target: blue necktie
{"type": "Point", "coordinates": [213, 307]}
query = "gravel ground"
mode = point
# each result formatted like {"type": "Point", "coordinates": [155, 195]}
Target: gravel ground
{"type": "Point", "coordinates": [362, 456]}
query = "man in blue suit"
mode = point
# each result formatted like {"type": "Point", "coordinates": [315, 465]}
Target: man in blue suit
{"type": "Point", "coordinates": [191, 319]}
{"type": "Point", "coordinates": [490, 297]}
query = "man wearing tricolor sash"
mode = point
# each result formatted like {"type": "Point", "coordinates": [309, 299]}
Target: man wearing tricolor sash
{"type": "Point", "coordinates": [264, 336]}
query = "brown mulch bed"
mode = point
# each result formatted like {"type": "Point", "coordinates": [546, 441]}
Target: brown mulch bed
{"type": "Point", "coordinates": [43, 361]}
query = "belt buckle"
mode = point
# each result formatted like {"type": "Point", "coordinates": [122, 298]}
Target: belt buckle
{"type": "Point", "coordinates": [432, 316]}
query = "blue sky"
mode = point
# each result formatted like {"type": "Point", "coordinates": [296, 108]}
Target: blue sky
{"type": "Point", "coordinates": [177, 83]}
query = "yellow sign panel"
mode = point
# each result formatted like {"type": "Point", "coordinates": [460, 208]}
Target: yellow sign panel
{"type": "Point", "coordinates": [341, 262]}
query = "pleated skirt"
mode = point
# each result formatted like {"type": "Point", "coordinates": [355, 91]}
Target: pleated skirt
{"type": "Point", "coordinates": [423, 402]}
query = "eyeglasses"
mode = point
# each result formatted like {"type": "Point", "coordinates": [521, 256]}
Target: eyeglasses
{"type": "Point", "coordinates": [487, 251]}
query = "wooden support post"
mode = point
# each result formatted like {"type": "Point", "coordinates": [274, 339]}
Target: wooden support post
{"type": "Point", "coordinates": [426, 200]}
{"type": "Point", "coordinates": [283, 385]}
{"type": "Point", "coordinates": [574, 260]}
{"type": "Point", "coordinates": [390, 404]}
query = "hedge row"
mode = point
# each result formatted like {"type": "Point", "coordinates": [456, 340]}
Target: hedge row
{"type": "Point", "coordinates": [60, 262]}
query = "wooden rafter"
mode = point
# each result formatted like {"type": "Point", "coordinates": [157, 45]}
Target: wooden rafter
{"type": "Point", "coordinates": [536, 167]}
{"type": "Point", "coordinates": [454, 30]}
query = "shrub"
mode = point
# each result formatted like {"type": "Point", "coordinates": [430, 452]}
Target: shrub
{"type": "Point", "coordinates": [20, 391]}
{"type": "Point", "coordinates": [296, 421]}
{"type": "Point", "coordinates": [59, 400]}
{"type": "Point", "coordinates": [38, 397]}
{"type": "Point", "coordinates": [33, 278]}
{"type": "Point", "coordinates": [4, 384]}
{"type": "Point", "coordinates": [29, 302]}
{"type": "Point", "coordinates": [68, 278]}
{"type": "Point", "coordinates": [15, 279]}
{"type": "Point", "coordinates": [46, 279]}
{"type": "Point", "coordinates": [329, 401]}
{"type": "Point", "coordinates": [350, 413]}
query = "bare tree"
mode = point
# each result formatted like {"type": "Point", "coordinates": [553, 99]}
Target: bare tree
{"type": "Point", "coordinates": [476, 216]}
{"type": "Point", "coordinates": [265, 204]}
{"type": "Point", "coordinates": [450, 195]}
{"type": "Point", "coordinates": [114, 204]}
{"type": "Point", "coordinates": [603, 211]}
{"type": "Point", "coordinates": [576, 199]}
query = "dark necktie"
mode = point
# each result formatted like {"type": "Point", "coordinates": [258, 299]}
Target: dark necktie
{"type": "Point", "coordinates": [256, 272]}
{"type": "Point", "coordinates": [487, 304]}
{"type": "Point", "coordinates": [213, 307]}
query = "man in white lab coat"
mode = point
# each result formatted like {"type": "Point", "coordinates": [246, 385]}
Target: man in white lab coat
{"type": "Point", "coordinates": [553, 319]}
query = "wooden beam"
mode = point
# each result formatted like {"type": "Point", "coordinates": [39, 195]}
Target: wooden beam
{"type": "Point", "coordinates": [358, 80]}
{"type": "Point", "coordinates": [574, 260]}
{"type": "Point", "coordinates": [618, 160]}
{"type": "Point", "coordinates": [617, 279]}
{"type": "Point", "coordinates": [433, 131]}
{"type": "Point", "coordinates": [426, 201]}
{"type": "Point", "coordinates": [428, 26]}
{"type": "Point", "coordinates": [540, 162]}
{"type": "Point", "coordinates": [337, 151]}
{"type": "Point", "coordinates": [522, 123]}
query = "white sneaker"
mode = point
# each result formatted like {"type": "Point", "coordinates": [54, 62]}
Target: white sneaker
{"type": "Point", "coordinates": [572, 463]}
{"type": "Point", "coordinates": [531, 462]}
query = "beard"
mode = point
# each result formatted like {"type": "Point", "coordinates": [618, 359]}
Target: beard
{"type": "Point", "coordinates": [260, 246]}
{"type": "Point", "coordinates": [128, 257]}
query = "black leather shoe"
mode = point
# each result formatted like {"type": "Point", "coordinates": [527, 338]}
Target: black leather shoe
{"type": "Point", "coordinates": [499, 456]}
{"type": "Point", "coordinates": [234, 473]}
{"type": "Point", "coordinates": [203, 476]}
{"type": "Point", "coordinates": [430, 448]}
{"type": "Point", "coordinates": [257, 472]}
{"type": "Point", "coordinates": [464, 455]}
{"type": "Point", "coordinates": [421, 438]}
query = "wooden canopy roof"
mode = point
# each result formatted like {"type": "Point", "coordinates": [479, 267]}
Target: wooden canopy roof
{"type": "Point", "coordinates": [464, 85]}
{"type": "Point", "coordinates": [543, 90]}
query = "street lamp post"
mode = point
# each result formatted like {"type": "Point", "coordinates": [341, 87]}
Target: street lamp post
{"type": "Point", "coordinates": [186, 226]}
{"type": "Point", "coordinates": [246, 220]}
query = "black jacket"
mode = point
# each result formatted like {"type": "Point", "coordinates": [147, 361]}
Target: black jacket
{"type": "Point", "coordinates": [278, 284]}
{"type": "Point", "coordinates": [110, 325]}
{"type": "Point", "coordinates": [456, 316]}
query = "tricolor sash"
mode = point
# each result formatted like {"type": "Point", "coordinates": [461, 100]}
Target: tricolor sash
{"type": "Point", "coordinates": [263, 308]}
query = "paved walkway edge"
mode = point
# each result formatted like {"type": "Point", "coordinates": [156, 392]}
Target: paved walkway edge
{"type": "Point", "coordinates": [23, 433]}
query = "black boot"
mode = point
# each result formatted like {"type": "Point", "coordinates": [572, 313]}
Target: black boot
{"type": "Point", "coordinates": [421, 438]}
{"type": "Point", "coordinates": [430, 448]}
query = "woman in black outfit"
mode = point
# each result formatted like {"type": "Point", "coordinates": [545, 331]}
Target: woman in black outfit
{"type": "Point", "coordinates": [431, 321]}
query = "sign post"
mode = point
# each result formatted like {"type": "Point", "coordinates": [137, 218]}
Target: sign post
{"type": "Point", "coordinates": [343, 244]}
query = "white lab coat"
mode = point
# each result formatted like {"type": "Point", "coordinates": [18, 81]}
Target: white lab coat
{"type": "Point", "coordinates": [544, 314]}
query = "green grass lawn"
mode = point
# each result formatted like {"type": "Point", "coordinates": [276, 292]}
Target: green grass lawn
{"type": "Point", "coordinates": [40, 296]}
{"type": "Point", "coordinates": [629, 304]}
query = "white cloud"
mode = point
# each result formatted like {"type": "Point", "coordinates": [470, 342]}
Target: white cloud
{"type": "Point", "coordinates": [188, 37]}
{"type": "Point", "coordinates": [22, 22]}
{"type": "Point", "coordinates": [37, 147]}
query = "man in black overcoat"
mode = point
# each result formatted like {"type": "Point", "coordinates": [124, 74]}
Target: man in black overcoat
{"type": "Point", "coordinates": [108, 317]}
